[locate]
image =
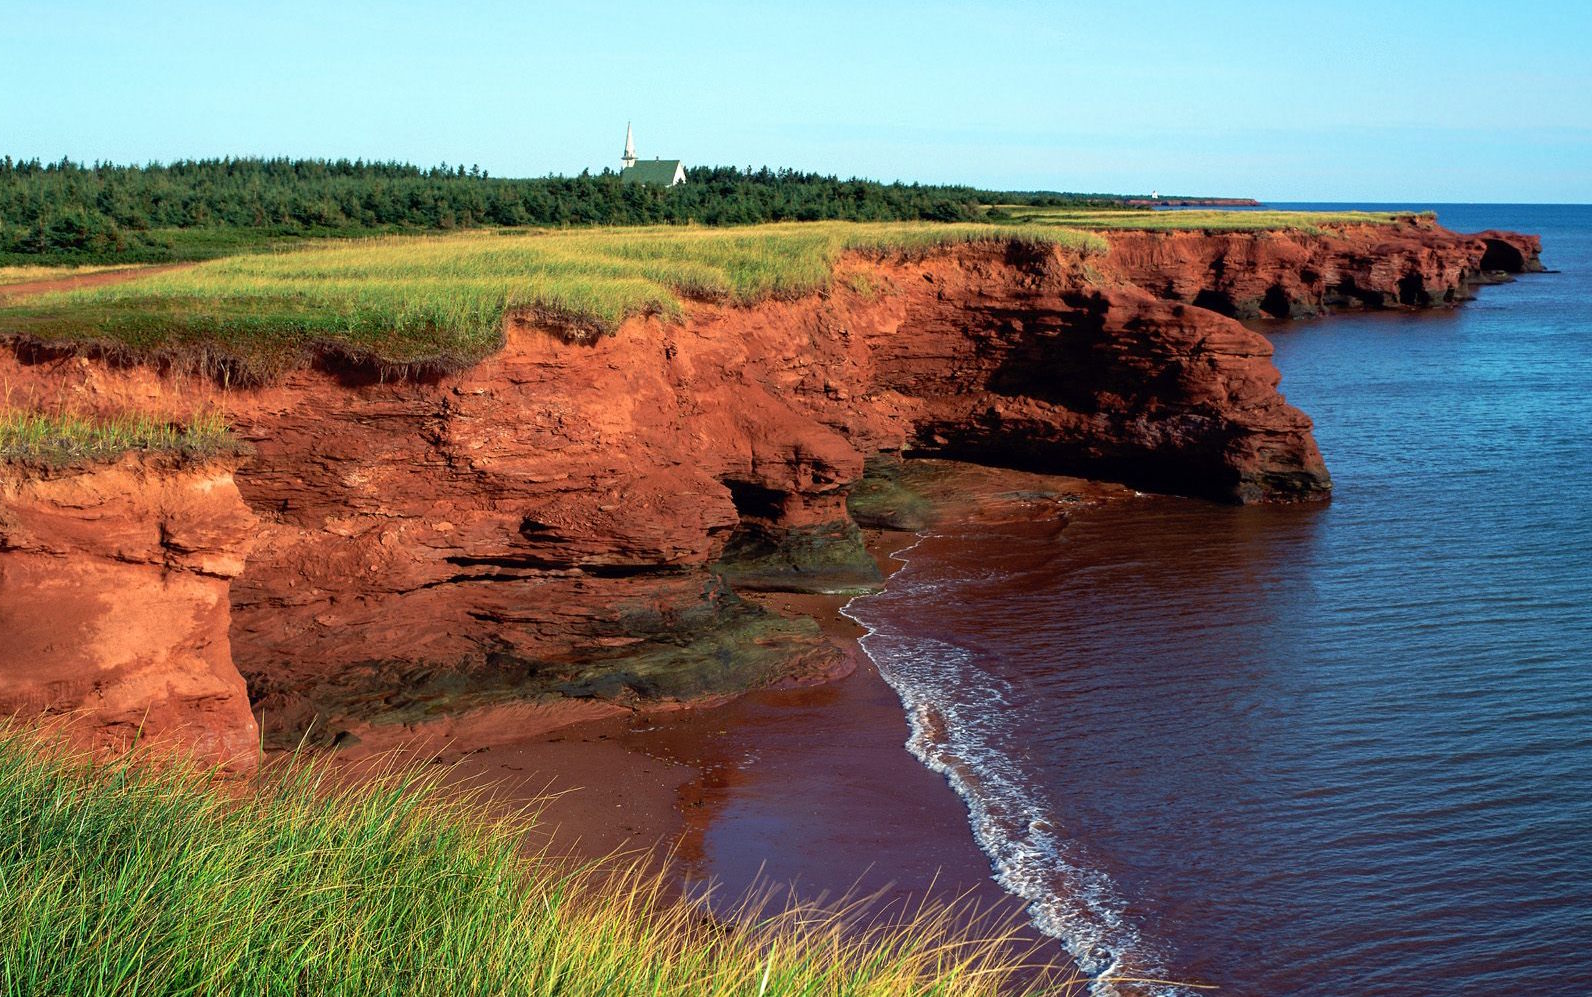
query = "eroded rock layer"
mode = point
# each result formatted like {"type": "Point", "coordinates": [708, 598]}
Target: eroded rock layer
{"type": "Point", "coordinates": [1414, 264]}
{"type": "Point", "coordinates": [572, 519]}
{"type": "Point", "coordinates": [115, 611]}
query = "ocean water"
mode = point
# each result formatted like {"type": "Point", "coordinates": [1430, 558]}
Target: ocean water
{"type": "Point", "coordinates": [1309, 750]}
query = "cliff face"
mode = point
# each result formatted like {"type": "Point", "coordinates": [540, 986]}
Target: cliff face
{"type": "Point", "coordinates": [115, 610]}
{"type": "Point", "coordinates": [573, 519]}
{"type": "Point", "coordinates": [1017, 361]}
{"type": "Point", "coordinates": [1415, 264]}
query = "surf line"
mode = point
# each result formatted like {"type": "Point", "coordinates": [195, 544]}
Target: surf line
{"type": "Point", "coordinates": [1067, 899]}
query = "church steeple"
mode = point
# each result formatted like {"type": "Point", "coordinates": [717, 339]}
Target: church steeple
{"type": "Point", "coordinates": [629, 158]}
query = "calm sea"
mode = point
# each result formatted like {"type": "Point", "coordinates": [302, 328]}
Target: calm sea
{"type": "Point", "coordinates": [1331, 750]}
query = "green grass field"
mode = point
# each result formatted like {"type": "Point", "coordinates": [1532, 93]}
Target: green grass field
{"type": "Point", "coordinates": [439, 301]}
{"type": "Point", "coordinates": [121, 879]}
{"type": "Point", "coordinates": [1199, 220]}
{"type": "Point", "coordinates": [57, 439]}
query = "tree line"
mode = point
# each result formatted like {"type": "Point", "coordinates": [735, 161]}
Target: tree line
{"type": "Point", "coordinates": [68, 211]}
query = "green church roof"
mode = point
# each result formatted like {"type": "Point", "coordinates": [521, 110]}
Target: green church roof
{"type": "Point", "coordinates": [651, 171]}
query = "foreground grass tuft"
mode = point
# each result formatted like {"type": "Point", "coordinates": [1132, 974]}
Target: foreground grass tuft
{"type": "Point", "coordinates": [119, 879]}
{"type": "Point", "coordinates": [71, 439]}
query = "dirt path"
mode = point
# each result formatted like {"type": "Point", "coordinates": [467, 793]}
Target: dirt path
{"type": "Point", "coordinates": [79, 281]}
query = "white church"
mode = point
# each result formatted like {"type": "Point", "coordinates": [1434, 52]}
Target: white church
{"type": "Point", "coordinates": [655, 172]}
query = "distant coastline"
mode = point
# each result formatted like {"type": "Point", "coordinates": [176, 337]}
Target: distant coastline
{"type": "Point", "coordinates": [1191, 202]}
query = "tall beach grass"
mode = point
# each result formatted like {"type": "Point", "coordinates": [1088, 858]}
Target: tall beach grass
{"type": "Point", "coordinates": [119, 878]}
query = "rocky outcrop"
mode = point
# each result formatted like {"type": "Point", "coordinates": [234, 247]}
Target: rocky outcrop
{"type": "Point", "coordinates": [114, 607]}
{"type": "Point", "coordinates": [1413, 264]}
{"type": "Point", "coordinates": [1055, 369]}
{"type": "Point", "coordinates": [573, 519]}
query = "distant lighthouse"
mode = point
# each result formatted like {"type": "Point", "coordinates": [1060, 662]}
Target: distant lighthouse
{"type": "Point", "coordinates": [629, 158]}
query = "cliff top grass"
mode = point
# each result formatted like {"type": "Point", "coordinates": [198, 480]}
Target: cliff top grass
{"type": "Point", "coordinates": [1200, 220]}
{"type": "Point", "coordinates": [62, 440]}
{"type": "Point", "coordinates": [121, 878]}
{"type": "Point", "coordinates": [438, 302]}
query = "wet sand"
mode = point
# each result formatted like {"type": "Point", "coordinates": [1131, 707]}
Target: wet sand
{"type": "Point", "coordinates": [813, 788]}
{"type": "Point", "coordinates": [807, 789]}
{"type": "Point", "coordinates": [596, 797]}
{"type": "Point", "coordinates": [806, 786]}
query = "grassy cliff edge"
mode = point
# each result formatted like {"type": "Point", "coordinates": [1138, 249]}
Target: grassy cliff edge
{"type": "Point", "coordinates": [438, 302]}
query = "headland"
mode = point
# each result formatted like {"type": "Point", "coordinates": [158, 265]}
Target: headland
{"type": "Point", "coordinates": [525, 501]}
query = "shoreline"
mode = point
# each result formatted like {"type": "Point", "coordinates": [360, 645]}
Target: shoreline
{"type": "Point", "coordinates": [617, 779]}
{"type": "Point", "coordinates": [740, 797]}
{"type": "Point", "coordinates": [607, 786]}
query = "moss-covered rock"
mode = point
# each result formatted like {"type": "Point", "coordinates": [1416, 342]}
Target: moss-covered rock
{"type": "Point", "coordinates": [718, 646]}
{"type": "Point", "coordinates": [826, 557]}
{"type": "Point", "coordinates": [885, 498]}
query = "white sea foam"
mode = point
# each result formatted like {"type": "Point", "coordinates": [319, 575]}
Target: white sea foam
{"type": "Point", "coordinates": [962, 727]}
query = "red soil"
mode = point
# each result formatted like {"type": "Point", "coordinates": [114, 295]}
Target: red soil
{"type": "Point", "coordinates": [79, 281]}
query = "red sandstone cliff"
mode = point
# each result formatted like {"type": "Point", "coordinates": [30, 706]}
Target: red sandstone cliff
{"type": "Point", "coordinates": [572, 519]}
{"type": "Point", "coordinates": [115, 605]}
{"type": "Point", "coordinates": [1414, 264]}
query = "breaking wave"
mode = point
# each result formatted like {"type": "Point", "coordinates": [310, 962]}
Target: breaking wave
{"type": "Point", "coordinates": [964, 725]}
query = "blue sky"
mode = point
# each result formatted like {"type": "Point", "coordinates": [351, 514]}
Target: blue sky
{"type": "Point", "coordinates": [1416, 101]}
